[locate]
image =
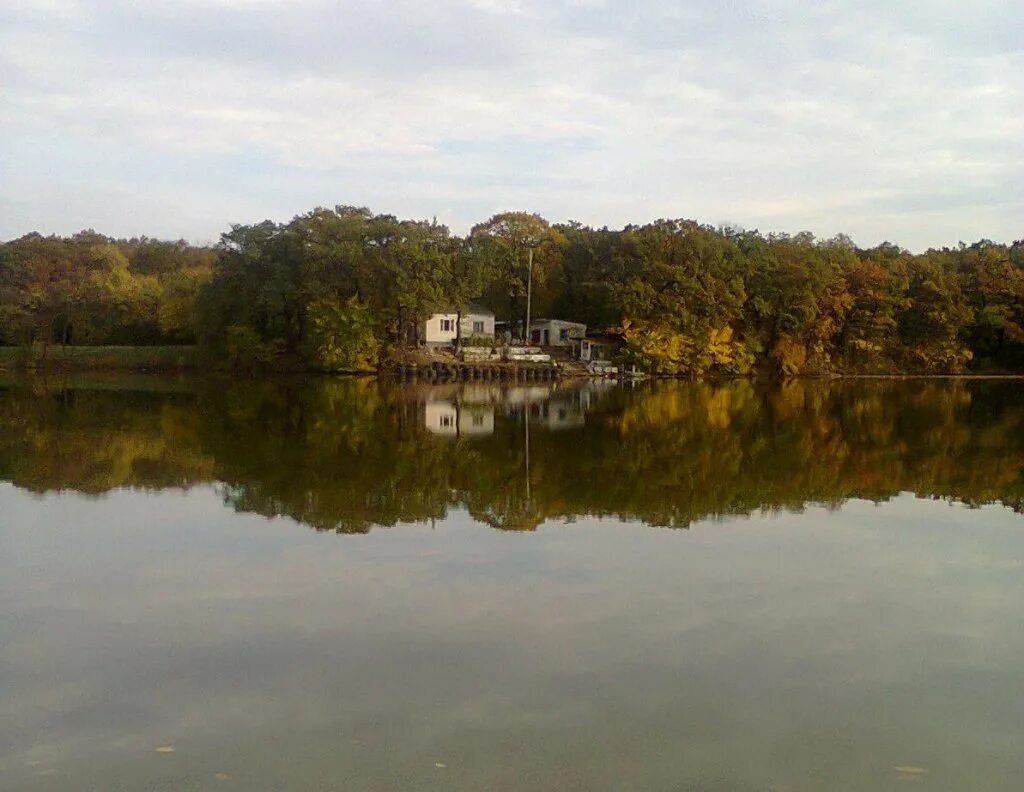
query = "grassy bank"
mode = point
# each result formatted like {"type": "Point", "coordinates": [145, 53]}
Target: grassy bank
{"type": "Point", "coordinates": [100, 358]}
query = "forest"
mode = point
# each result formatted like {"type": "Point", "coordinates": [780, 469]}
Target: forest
{"type": "Point", "coordinates": [345, 289]}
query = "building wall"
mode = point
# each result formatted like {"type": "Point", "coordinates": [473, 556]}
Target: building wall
{"type": "Point", "coordinates": [432, 332]}
{"type": "Point", "coordinates": [470, 320]}
{"type": "Point", "coordinates": [593, 350]}
{"type": "Point", "coordinates": [554, 328]}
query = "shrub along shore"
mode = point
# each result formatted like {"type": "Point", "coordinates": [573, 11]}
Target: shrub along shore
{"type": "Point", "coordinates": [161, 359]}
{"type": "Point", "coordinates": [347, 290]}
{"type": "Point", "coordinates": [190, 359]}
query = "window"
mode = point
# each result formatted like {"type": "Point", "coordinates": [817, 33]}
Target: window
{"type": "Point", "coordinates": [446, 421]}
{"type": "Point", "coordinates": [563, 334]}
{"type": "Point", "coordinates": [478, 327]}
{"type": "Point", "coordinates": [478, 420]}
{"type": "Point", "coordinates": [447, 325]}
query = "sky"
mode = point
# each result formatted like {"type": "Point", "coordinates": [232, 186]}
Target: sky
{"type": "Point", "coordinates": [888, 121]}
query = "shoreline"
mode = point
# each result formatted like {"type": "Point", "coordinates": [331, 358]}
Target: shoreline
{"type": "Point", "coordinates": [176, 360]}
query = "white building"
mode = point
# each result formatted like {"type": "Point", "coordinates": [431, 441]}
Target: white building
{"type": "Point", "coordinates": [589, 349]}
{"type": "Point", "coordinates": [441, 329]}
{"type": "Point", "coordinates": [556, 332]}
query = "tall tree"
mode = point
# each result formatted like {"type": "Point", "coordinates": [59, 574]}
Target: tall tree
{"type": "Point", "coordinates": [518, 248]}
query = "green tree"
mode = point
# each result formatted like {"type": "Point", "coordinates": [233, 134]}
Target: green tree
{"type": "Point", "coordinates": [685, 284]}
{"type": "Point", "coordinates": [342, 335]}
{"type": "Point", "coordinates": [519, 250]}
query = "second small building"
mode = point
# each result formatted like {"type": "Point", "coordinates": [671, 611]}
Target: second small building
{"type": "Point", "coordinates": [556, 332]}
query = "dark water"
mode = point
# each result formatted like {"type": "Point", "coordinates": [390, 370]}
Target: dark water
{"type": "Point", "coordinates": [339, 585]}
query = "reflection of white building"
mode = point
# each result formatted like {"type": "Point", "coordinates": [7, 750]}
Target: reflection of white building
{"type": "Point", "coordinates": [594, 391]}
{"type": "Point", "coordinates": [454, 420]}
{"type": "Point", "coordinates": [476, 420]}
{"type": "Point", "coordinates": [555, 407]}
{"type": "Point", "coordinates": [521, 394]}
{"type": "Point", "coordinates": [558, 414]}
{"type": "Point", "coordinates": [472, 393]}
{"type": "Point", "coordinates": [472, 409]}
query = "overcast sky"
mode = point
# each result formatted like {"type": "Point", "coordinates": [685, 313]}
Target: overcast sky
{"type": "Point", "coordinates": [899, 120]}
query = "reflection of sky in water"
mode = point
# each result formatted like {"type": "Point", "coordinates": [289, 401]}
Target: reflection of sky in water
{"type": "Point", "coordinates": [801, 651]}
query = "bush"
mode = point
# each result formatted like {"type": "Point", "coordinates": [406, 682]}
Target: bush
{"type": "Point", "coordinates": [477, 341]}
{"type": "Point", "coordinates": [341, 336]}
{"type": "Point", "coordinates": [245, 348]}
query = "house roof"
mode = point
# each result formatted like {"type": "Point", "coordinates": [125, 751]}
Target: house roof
{"type": "Point", "coordinates": [605, 337]}
{"type": "Point", "coordinates": [540, 320]}
{"type": "Point", "coordinates": [476, 308]}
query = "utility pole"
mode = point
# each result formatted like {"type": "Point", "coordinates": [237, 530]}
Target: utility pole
{"type": "Point", "coordinates": [529, 290]}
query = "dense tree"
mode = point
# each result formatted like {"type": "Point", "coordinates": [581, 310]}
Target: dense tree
{"type": "Point", "coordinates": [517, 250]}
{"type": "Point", "coordinates": [91, 289]}
{"type": "Point", "coordinates": [688, 299]}
{"type": "Point", "coordinates": [339, 267]}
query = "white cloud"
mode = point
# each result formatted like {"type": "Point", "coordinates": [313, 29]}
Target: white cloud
{"type": "Point", "coordinates": [902, 124]}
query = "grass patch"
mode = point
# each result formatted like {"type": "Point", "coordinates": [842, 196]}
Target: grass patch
{"type": "Point", "coordinates": [100, 358]}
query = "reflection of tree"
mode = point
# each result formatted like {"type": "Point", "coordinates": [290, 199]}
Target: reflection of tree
{"type": "Point", "coordinates": [93, 442]}
{"type": "Point", "coordinates": [347, 455]}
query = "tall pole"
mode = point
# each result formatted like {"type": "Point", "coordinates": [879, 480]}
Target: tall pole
{"type": "Point", "coordinates": [529, 290]}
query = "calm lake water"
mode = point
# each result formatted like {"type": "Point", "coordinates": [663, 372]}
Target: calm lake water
{"type": "Point", "coordinates": [343, 585]}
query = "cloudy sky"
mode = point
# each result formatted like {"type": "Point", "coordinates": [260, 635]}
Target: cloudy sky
{"type": "Point", "coordinates": [900, 121]}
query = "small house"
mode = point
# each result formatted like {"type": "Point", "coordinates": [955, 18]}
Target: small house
{"type": "Point", "coordinates": [556, 332]}
{"type": "Point", "coordinates": [597, 346]}
{"type": "Point", "coordinates": [441, 329]}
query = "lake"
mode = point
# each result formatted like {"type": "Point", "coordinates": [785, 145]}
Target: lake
{"type": "Point", "coordinates": [216, 584]}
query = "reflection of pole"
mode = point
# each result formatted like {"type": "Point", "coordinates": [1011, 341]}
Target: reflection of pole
{"type": "Point", "coordinates": [529, 290]}
{"type": "Point", "coordinates": [526, 430]}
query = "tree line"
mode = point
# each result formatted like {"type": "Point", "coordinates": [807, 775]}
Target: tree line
{"type": "Point", "coordinates": [89, 289]}
{"type": "Point", "coordinates": [342, 289]}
